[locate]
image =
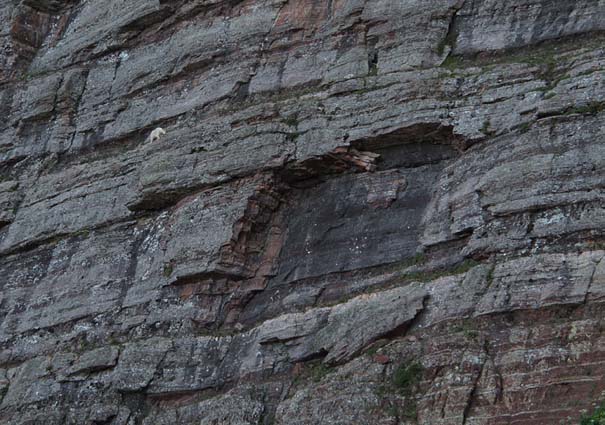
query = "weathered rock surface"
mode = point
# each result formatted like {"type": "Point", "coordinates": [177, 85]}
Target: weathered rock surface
{"type": "Point", "coordinates": [362, 212]}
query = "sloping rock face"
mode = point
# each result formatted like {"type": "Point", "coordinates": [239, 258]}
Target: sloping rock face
{"type": "Point", "coordinates": [362, 212]}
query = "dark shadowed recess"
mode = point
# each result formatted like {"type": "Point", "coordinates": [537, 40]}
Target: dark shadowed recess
{"type": "Point", "coordinates": [413, 146]}
{"type": "Point", "coordinates": [359, 220]}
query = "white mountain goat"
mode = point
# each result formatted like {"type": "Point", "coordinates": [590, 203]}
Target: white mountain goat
{"type": "Point", "coordinates": [156, 134]}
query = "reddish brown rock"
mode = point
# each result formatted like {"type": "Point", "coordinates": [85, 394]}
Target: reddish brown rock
{"type": "Point", "coordinates": [382, 359]}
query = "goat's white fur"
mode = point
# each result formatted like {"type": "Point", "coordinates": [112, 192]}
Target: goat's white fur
{"type": "Point", "coordinates": [156, 134]}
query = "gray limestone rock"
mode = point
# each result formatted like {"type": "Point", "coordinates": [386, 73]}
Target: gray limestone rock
{"type": "Point", "coordinates": [342, 331]}
{"type": "Point", "coordinates": [138, 363]}
{"type": "Point", "coordinates": [344, 189]}
{"type": "Point", "coordinates": [95, 360]}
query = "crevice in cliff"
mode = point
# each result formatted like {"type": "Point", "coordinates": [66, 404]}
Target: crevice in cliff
{"type": "Point", "coordinates": [590, 108]}
{"type": "Point", "coordinates": [471, 397]}
{"type": "Point", "coordinates": [591, 280]}
{"type": "Point", "coordinates": [5, 390]}
{"type": "Point", "coordinates": [134, 28]}
{"type": "Point", "coordinates": [449, 40]}
{"type": "Point", "coordinates": [76, 107]}
{"type": "Point", "coordinates": [499, 384]}
{"type": "Point", "coordinates": [372, 57]}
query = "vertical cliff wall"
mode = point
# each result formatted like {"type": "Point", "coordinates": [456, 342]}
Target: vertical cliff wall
{"type": "Point", "coordinates": [363, 211]}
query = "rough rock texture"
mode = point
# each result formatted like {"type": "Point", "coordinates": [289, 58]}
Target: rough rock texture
{"type": "Point", "coordinates": [363, 211]}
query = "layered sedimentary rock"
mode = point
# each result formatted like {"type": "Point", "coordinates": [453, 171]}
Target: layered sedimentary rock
{"type": "Point", "coordinates": [363, 211]}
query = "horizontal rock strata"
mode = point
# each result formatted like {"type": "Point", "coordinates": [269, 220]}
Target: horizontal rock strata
{"type": "Point", "coordinates": [362, 212]}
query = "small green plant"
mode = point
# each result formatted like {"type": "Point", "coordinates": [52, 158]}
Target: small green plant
{"type": "Point", "coordinates": [291, 137]}
{"type": "Point", "coordinates": [449, 40]}
{"type": "Point", "coordinates": [465, 266]}
{"type": "Point", "coordinates": [373, 64]}
{"type": "Point", "coordinates": [373, 71]}
{"type": "Point", "coordinates": [392, 410]}
{"type": "Point", "coordinates": [452, 62]}
{"type": "Point", "coordinates": [319, 371]}
{"type": "Point", "coordinates": [291, 120]}
{"type": "Point", "coordinates": [418, 259]}
{"type": "Point", "coordinates": [410, 411]}
{"type": "Point", "coordinates": [83, 232]}
{"type": "Point", "coordinates": [441, 46]}
{"type": "Point", "coordinates": [168, 269]}
{"type": "Point", "coordinates": [524, 128]}
{"type": "Point", "coordinates": [410, 262]}
{"type": "Point", "coordinates": [467, 329]}
{"type": "Point", "coordinates": [426, 276]}
{"type": "Point", "coordinates": [113, 340]}
{"type": "Point", "coordinates": [487, 128]}
{"type": "Point", "coordinates": [406, 377]}
{"type": "Point", "coordinates": [597, 418]}
{"type": "Point", "coordinates": [471, 333]}
{"type": "Point", "coordinates": [25, 76]}
{"type": "Point", "coordinates": [490, 276]}
{"type": "Point", "coordinates": [84, 344]}
{"type": "Point", "coordinates": [198, 149]}
{"type": "Point", "coordinates": [382, 391]}
{"type": "Point", "coordinates": [595, 245]}
{"type": "Point", "coordinates": [372, 350]}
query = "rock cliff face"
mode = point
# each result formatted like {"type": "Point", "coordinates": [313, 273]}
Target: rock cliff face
{"type": "Point", "coordinates": [363, 211]}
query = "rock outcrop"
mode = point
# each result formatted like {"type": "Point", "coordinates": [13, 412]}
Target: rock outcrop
{"type": "Point", "coordinates": [362, 212]}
